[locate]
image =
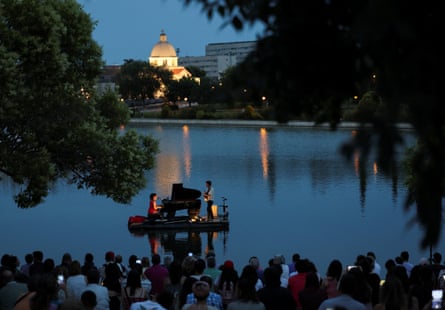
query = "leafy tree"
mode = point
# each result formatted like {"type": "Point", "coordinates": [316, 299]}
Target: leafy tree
{"type": "Point", "coordinates": [139, 80]}
{"type": "Point", "coordinates": [114, 111]}
{"type": "Point", "coordinates": [206, 90]}
{"type": "Point", "coordinates": [183, 88]}
{"type": "Point", "coordinates": [196, 71]}
{"type": "Point", "coordinates": [237, 87]}
{"type": "Point", "coordinates": [343, 48]}
{"type": "Point", "coordinates": [369, 107]}
{"type": "Point", "coordinates": [53, 125]}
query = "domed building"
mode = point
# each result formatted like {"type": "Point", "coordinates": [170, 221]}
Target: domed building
{"type": "Point", "coordinates": [163, 54]}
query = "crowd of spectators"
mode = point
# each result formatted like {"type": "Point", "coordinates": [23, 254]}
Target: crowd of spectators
{"type": "Point", "coordinates": [200, 283]}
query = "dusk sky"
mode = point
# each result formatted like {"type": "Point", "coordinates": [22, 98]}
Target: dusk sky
{"type": "Point", "coordinates": [128, 29]}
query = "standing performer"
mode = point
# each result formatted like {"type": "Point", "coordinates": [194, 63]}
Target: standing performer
{"type": "Point", "coordinates": [208, 197]}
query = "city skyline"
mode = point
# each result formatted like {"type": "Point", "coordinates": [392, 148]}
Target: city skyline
{"type": "Point", "coordinates": [130, 29]}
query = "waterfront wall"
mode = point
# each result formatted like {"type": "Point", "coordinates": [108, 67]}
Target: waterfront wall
{"type": "Point", "coordinates": [253, 123]}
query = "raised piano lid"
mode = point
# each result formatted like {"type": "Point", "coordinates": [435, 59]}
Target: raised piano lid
{"type": "Point", "coordinates": [182, 193]}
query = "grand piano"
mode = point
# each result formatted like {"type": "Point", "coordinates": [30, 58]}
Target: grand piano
{"type": "Point", "coordinates": [182, 198]}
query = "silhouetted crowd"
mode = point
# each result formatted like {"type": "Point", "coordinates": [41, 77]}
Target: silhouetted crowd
{"type": "Point", "coordinates": [200, 283]}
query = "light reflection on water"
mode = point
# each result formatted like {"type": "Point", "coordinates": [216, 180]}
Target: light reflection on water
{"type": "Point", "coordinates": [289, 191]}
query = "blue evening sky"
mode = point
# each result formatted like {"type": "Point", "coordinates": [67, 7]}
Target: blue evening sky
{"type": "Point", "coordinates": [128, 29]}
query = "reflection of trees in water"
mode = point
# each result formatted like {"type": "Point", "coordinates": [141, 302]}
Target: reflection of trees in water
{"type": "Point", "coordinates": [181, 243]}
{"type": "Point", "coordinates": [322, 173]}
{"type": "Point", "coordinates": [272, 177]}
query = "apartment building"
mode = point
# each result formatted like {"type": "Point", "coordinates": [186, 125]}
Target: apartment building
{"type": "Point", "coordinates": [219, 57]}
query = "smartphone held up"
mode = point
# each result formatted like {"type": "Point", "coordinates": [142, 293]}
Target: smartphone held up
{"type": "Point", "coordinates": [436, 302]}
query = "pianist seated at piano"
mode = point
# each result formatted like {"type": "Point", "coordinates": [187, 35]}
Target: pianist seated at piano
{"type": "Point", "coordinates": [154, 210]}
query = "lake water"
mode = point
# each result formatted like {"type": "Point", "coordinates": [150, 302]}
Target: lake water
{"type": "Point", "coordinates": [288, 189]}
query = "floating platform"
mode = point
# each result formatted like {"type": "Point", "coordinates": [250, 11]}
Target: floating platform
{"type": "Point", "coordinates": [179, 223]}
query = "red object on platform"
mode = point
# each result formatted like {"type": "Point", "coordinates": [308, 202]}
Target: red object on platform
{"type": "Point", "coordinates": [136, 219]}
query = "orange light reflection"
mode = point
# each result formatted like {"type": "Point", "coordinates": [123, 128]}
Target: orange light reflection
{"type": "Point", "coordinates": [187, 153]}
{"type": "Point", "coordinates": [264, 151]}
{"type": "Point", "coordinates": [168, 171]}
{"type": "Point", "coordinates": [356, 162]}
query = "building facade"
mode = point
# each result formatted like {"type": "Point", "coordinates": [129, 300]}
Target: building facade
{"type": "Point", "coordinates": [107, 79]}
{"type": "Point", "coordinates": [219, 57]}
{"type": "Point", "coordinates": [163, 54]}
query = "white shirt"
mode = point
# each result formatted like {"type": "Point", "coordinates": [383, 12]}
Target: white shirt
{"type": "Point", "coordinates": [259, 284]}
{"type": "Point", "coordinates": [377, 268]}
{"type": "Point", "coordinates": [102, 298]}
{"type": "Point", "coordinates": [284, 278]}
{"type": "Point", "coordinates": [408, 266]}
{"type": "Point", "coordinates": [146, 305]}
{"type": "Point", "coordinates": [209, 192]}
{"type": "Point", "coordinates": [75, 285]}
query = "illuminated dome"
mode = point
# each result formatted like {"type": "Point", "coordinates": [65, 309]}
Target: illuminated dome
{"type": "Point", "coordinates": [163, 48]}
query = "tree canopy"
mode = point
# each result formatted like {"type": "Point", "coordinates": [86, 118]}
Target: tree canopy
{"type": "Point", "coordinates": [52, 123]}
{"type": "Point", "coordinates": [314, 55]}
{"type": "Point", "coordinates": [139, 80]}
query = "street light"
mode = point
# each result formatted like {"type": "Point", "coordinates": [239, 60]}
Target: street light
{"type": "Point", "coordinates": [373, 81]}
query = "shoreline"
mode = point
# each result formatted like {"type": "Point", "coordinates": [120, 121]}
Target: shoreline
{"type": "Point", "coordinates": [252, 123]}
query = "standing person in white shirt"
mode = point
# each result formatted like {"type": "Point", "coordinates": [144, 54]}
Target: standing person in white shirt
{"type": "Point", "coordinates": [406, 263]}
{"type": "Point", "coordinates": [377, 268]}
{"type": "Point", "coordinates": [76, 281]}
{"type": "Point", "coordinates": [279, 259]}
{"type": "Point", "coordinates": [102, 298]}
{"type": "Point", "coordinates": [208, 197]}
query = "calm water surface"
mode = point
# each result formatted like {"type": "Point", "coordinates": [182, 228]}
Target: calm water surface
{"type": "Point", "coordinates": [288, 189]}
